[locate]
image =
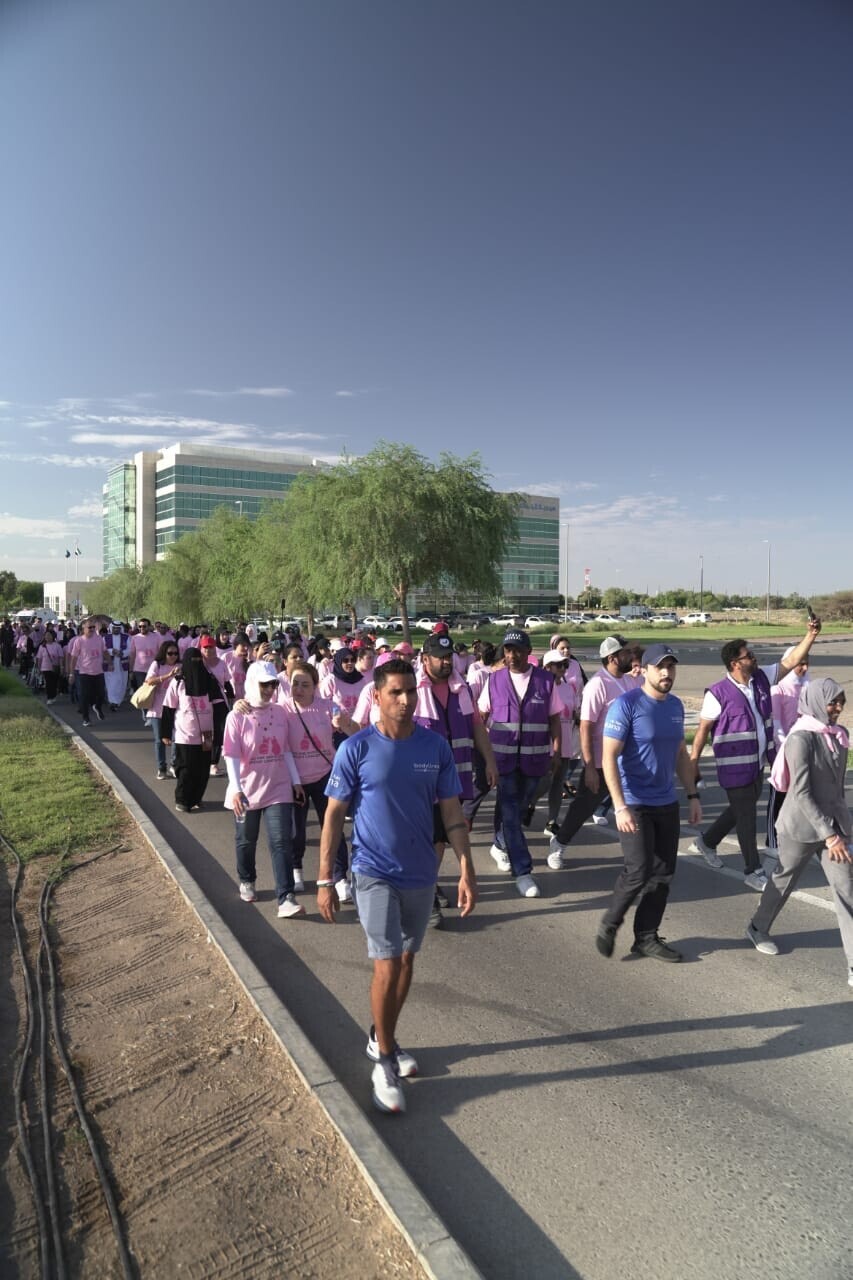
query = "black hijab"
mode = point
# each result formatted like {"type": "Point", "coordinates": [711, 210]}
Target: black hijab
{"type": "Point", "coordinates": [198, 681]}
{"type": "Point", "coordinates": [345, 677]}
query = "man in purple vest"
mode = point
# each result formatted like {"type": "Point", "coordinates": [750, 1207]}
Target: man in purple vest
{"type": "Point", "coordinates": [524, 727]}
{"type": "Point", "coordinates": [737, 713]}
{"type": "Point", "coordinates": [445, 705]}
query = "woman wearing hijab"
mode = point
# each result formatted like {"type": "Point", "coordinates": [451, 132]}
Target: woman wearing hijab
{"type": "Point", "coordinates": [814, 819]}
{"type": "Point", "coordinates": [263, 779]}
{"type": "Point", "coordinates": [159, 674]}
{"type": "Point", "coordinates": [345, 683]}
{"type": "Point", "coordinates": [187, 715]}
{"type": "Point", "coordinates": [785, 699]}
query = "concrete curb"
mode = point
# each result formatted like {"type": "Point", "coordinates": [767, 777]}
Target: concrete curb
{"type": "Point", "coordinates": [440, 1256]}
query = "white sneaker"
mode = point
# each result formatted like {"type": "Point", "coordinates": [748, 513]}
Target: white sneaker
{"type": "Point", "coordinates": [600, 819]}
{"type": "Point", "coordinates": [555, 861]}
{"type": "Point", "coordinates": [343, 890]}
{"type": "Point", "coordinates": [556, 848]}
{"type": "Point", "coordinates": [761, 941]}
{"type": "Point", "coordinates": [298, 881]}
{"type": "Point", "coordinates": [387, 1090]}
{"type": "Point", "coordinates": [756, 880]}
{"type": "Point", "coordinates": [710, 855]}
{"type": "Point", "coordinates": [527, 887]}
{"type": "Point", "coordinates": [289, 908]}
{"type": "Point", "coordinates": [406, 1062]}
{"type": "Point", "coordinates": [501, 857]}
{"type": "Point", "coordinates": [247, 891]}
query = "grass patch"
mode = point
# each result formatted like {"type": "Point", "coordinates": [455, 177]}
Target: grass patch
{"type": "Point", "coordinates": [50, 801]}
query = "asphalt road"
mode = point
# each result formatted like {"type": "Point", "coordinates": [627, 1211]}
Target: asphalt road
{"type": "Point", "coordinates": [576, 1116]}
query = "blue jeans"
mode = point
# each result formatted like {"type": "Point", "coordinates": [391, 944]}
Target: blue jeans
{"type": "Point", "coordinates": [159, 744]}
{"type": "Point", "coordinates": [515, 796]}
{"type": "Point", "coordinates": [316, 793]}
{"type": "Point", "coordinates": [278, 819]}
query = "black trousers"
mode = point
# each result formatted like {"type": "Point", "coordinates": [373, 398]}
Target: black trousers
{"type": "Point", "coordinates": [650, 855]}
{"type": "Point", "coordinates": [192, 770]}
{"type": "Point", "coordinates": [582, 807]}
{"type": "Point", "coordinates": [92, 693]}
{"type": "Point", "coordinates": [739, 815]}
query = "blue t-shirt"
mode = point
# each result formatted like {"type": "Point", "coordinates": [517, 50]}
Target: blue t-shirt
{"type": "Point", "coordinates": [393, 785]}
{"type": "Point", "coordinates": [652, 730]}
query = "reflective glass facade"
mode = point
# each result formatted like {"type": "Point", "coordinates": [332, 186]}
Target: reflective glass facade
{"type": "Point", "coordinates": [119, 527]}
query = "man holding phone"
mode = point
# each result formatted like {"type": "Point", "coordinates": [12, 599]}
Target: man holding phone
{"type": "Point", "coordinates": [737, 714]}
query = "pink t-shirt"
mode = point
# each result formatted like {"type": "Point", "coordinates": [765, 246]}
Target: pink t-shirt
{"type": "Point", "coordinates": [186, 642]}
{"type": "Point", "coordinates": [367, 708]}
{"type": "Point", "coordinates": [193, 716]}
{"type": "Point", "coordinates": [142, 650]}
{"type": "Point", "coordinates": [49, 656]}
{"type": "Point", "coordinates": [344, 695]}
{"type": "Point", "coordinates": [89, 654]}
{"type": "Point", "coordinates": [259, 741]}
{"type": "Point", "coordinates": [235, 668]}
{"type": "Point", "coordinates": [600, 690]}
{"type": "Point", "coordinates": [219, 672]}
{"type": "Point", "coordinates": [311, 763]}
{"type": "Point", "coordinates": [158, 669]}
{"type": "Point", "coordinates": [569, 702]}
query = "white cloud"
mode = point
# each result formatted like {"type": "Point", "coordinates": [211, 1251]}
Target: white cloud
{"type": "Point", "coordinates": [345, 395]}
{"type": "Point", "coordinates": [297, 435]}
{"type": "Point", "coordinates": [87, 509]}
{"type": "Point", "coordinates": [59, 459]}
{"type": "Point", "coordinates": [271, 393]}
{"type": "Point", "coordinates": [31, 527]}
{"type": "Point", "coordinates": [116, 439]}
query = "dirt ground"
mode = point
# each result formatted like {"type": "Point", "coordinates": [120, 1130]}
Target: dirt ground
{"type": "Point", "coordinates": [224, 1165]}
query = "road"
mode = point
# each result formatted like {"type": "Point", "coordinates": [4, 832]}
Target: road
{"type": "Point", "coordinates": [576, 1116]}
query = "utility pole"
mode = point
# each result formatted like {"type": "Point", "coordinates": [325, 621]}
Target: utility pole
{"type": "Point", "coordinates": [767, 609]}
{"type": "Point", "coordinates": [701, 582]}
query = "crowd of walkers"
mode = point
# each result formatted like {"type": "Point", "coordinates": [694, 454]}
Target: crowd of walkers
{"type": "Point", "coordinates": [298, 722]}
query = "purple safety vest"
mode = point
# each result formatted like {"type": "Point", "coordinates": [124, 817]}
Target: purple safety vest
{"type": "Point", "coordinates": [735, 740]}
{"type": "Point", "coordinates": [455, 723]}
{"type": "Point", "coordinates": [520, 735]}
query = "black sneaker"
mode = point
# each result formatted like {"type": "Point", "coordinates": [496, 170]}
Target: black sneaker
{"type": "Point", "coordinates": [528, 817]}
{"type": "Point", "coordinates": [650, 944]}
{"type": "Point", "coordinates": [605, 939]}
{"type": "Point", "coordinates": [98, 712]}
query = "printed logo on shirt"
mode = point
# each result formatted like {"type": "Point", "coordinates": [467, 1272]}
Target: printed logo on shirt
{"type": "Point", "coordinates": [425, 766]}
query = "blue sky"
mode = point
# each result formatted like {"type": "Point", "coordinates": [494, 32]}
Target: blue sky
{"type": "Point", "coordinates": [607, 244]}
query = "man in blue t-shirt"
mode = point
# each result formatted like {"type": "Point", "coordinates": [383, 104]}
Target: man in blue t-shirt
{"type": "Point", "coordinates": [392, 774]}
{"type": "Point", "coordinates": [644, 750]}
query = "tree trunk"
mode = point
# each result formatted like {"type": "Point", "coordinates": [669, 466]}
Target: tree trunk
{"type": "Point", "coordinates": [353, 616]}
{"type": "Point", "coordinates": [400, 593]}
{"type": "Point", "coordinates": [309, 620]}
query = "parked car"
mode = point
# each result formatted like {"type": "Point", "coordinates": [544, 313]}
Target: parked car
{"type": "Point", "coordinates": [393, 624]}
{"type": "Point", "coordinates": [534, 622]}
{"type": "Point", "coordinates": [610, 619]}
{"type": "Point", "coordinates": [424, 624]}
{"type": "Point", "coordinates": [671, 619]}
{"type": "Point", "coordinates": [374, 622]}
{"type": "Point", "coordinates": [694, 619]}
{"type": "Point", "coordinates": [507, 620]}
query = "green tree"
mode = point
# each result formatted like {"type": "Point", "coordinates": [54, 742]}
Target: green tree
{"type": "Point", "coordinates": [392, 520]}
{"type": "Point", "coordinates": [123, 594]}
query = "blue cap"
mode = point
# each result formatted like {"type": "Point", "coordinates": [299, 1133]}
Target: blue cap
{"type": "Point", "coordinates": [655, 654]}
{"type": "Point", "coordinates": [520, 639]}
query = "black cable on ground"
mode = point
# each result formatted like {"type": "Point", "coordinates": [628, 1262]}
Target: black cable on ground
{"type": "Point", "coordinates": [103, 1177]}
{"type": "Point", "coordinates": [20, 1073]}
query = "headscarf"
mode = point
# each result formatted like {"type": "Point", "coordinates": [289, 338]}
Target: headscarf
{"type": "Point", "coordinates": [346, 677]}
{"type": "Point", "coordinates": [198, 681]}
{"type": "Point", "coordinates": [815, 697]}
{"type": "Point", "coordinates": [257, 674]}
{"type": "Point", "coordinates": [814, 718]}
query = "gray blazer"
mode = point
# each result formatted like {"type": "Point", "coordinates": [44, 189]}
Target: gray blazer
{"type": "Point", "coordinates": [814, 807]}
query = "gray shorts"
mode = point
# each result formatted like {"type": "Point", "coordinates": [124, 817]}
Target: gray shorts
{"type": "Point", "coordinates": [394, 920]}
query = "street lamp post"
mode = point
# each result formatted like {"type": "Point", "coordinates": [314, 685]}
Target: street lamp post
{"type": "Point", "coordinates": [767, 606]}
{"type": "Point", "coordinates": [238, 503]}
{"type": "Point", "coordinates": [701, 582]}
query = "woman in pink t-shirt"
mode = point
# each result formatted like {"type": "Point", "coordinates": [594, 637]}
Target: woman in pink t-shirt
{"type": "Point", "coordinates": [569, 697]}
{"type": "Point", "coordinates": [187, 717]}
{"type": "Point", "coordinates": [49, 662]}
{"type": "Point", "coordinates": [310, 733]}
{"type": "Point", "coordinates": [263, 779]}
{"type": "Point", "coordinates": [347, 680]}
{"type": "Point", "coordinates": [160, 674]}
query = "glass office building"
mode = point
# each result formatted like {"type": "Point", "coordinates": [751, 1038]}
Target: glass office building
{"type": "Point", "coordinates": [157, 497]}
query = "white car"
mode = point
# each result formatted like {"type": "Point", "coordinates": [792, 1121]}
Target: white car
{"type": "Point", "coordinates": [694, 619]}
{"type": "Point", "coordinates": [610, 619]}
{"type": "Point", "coordinates": [671, 619]}
{"type": "Point", "coordinates": [394, 624]}
{"type": "Point", "coordinates": [535, 623]}
{"type": "Point", "coordinates": [424, 624]}
{"type": "Point", "coordinates": [374, 621]}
